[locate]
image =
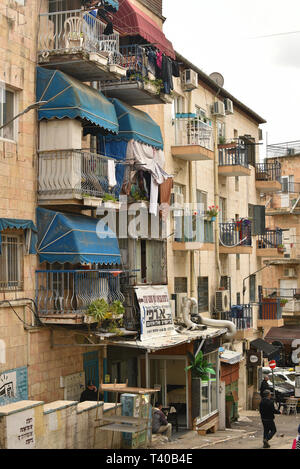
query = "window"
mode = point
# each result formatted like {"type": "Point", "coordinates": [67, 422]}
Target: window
{"type": "Point", "coordinates": [252, 288]}
{"type": "Point", "coordinates": [180, 285]}
{"type": "Point", "coordinates": [178, 106]}
{"type": "Point", "coordinates": [256, 214]}
{"type": "Point", "coordinates": [236, 184]}
{"type": "Point", "coordinates": [7, 112]}
{"type": "Point", "coordinates": [201, 200]}
{"type": "Point", "coordinates": [203, 305]}
{"type": "Point", "coordinates": [238, 262]}
{"type": "Point", "coordinates": [11, 262]}
{"type": "Point", "coordinates": [221, 132]}
{"type": "Point", "coordinates": [209, 389]}
{"type": "Point", "coordinates": [150, 262]}
{"type": "Point", "coordinates": [238, 298]}
{"type": "Point", "coordinates": [222, 210]}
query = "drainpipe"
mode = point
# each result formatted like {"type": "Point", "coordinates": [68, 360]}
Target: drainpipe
{"type": "Point", "coordinates": [216, 199]}
{"type": "Point", "coordinates": [192, 198]}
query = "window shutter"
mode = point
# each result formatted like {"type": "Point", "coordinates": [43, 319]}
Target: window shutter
{"type": "Point", "coordinates": [259, 220]}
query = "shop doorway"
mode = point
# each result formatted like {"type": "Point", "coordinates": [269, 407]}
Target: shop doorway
{"type": "Point", "coordinates": [169, 373]}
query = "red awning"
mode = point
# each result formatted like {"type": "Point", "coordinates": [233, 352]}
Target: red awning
{"type": "Point", "coordinates": [131, 21]}
{"type": "Point", "coordinates": [284, 334]}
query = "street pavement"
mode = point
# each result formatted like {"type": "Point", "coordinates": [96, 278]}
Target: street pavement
{"type": "Point", "coordinates": [246, 433]}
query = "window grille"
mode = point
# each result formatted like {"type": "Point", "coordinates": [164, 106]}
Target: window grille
{"type": "Point", "coordinates": [11, 263]}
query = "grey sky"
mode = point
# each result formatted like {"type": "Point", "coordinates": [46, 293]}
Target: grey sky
{"type": "Point", "coordinates": [263, 73]}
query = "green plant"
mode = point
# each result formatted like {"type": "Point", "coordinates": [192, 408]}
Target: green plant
{"type": "Point", "coordinates": [222, 140]}
{"type": "Point", "coordinates": [199, 367]}
{"type": "Point", "coordinates": [108, 316]}
{"type": "Point", "coordinates": [213, 211]}
{"type": "Point", "coordinates": [109, 197]}
{"type": "Point", "coordinates": [283, 301]}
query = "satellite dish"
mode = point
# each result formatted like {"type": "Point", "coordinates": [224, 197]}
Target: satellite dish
{"type": "Point", "coordinates": [217, 78]}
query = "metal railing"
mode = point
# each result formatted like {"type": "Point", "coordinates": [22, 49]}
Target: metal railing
{"type": "Point", "coordinates": [193, 131]}
{"type": "Point", "coordinates": [72, 291]}
{"type": "Point", "coordinates": [283, 149]}
{"type": "Point", "coordinates": [286, 199]}
{"type": "Point", "coordinates": [193, 229]}
{"type": "Point", "coordinates": [270, 309]}
{"type": "Point", "coordinates": [73, 30]}
{"type": "Point", "coordinates": [270, 239]}
{"type": "Point", "coordinates": [11, 263]}
{"type": "Point", "coordinates": [235, 234]}
{"type": "Point", "coordinates": [282, 293]}
{"type": "Point", "coordinates": [235, 155]}
{"type": "Point", "coordinates": [240, 315]}
{"type": "Point", "coordinates": [72, 172]}
{"type": "Point", "coordinates": [268, 171]}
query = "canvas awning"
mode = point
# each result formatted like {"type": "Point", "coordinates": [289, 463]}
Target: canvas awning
{"type": "Point", "coordinates": [284, 334]}
{"type": "Point", "coordinates": [137, 125]}
{"type": "Point", "coordinates": [66, 237]}
{"type": "Point", "coordinates": [131, 21]}
{"type": "Point", "coordinates": [27, 225]}
{"type": "Point", "coordinates": [68, 97]}
{"type": "Point", "coordinates": [269, 351]}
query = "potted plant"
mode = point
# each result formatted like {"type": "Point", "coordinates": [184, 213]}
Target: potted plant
{"type": "Point", "coordinates": [283, 302]}
{"type": "Point", "coordinates": [280, 248]}
{"type": "Point", "coordinates": [108, 316]}
{"type": "Point", "coordinates": [110, 201]}
{"type": "Point", "coordinates": [200, 370]}
{"type": "Point", "coordinates": [212, 212]}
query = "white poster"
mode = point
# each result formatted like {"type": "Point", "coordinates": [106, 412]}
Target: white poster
{"type": "Point", "coordinates": [156, 314]}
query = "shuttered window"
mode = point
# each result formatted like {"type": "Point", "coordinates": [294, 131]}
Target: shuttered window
{"type": "Point", "coordinates": [203, 297]}
{"type": "Point", "coordinates": [257, 215]}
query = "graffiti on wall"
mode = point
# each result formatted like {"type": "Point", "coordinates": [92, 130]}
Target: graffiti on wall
{"type": "Point", "coordinates": [13, 386]}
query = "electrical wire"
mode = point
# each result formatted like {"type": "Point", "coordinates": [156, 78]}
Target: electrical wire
{"type": "Point", "coordinates": [34, 311]}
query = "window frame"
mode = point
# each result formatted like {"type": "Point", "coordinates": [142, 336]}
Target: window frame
{"type": "Point", "coordinates": [210, 357]}
{"type": "Point", "coordinates": [3, 90]}
{"type": "Point", "coordinates": [16, 284]}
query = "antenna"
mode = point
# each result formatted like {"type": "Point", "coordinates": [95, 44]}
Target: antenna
{"type": "Point", "coordinates": [217, 78]}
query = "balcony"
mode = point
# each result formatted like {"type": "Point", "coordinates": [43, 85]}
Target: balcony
{"type": "Point", "coordinates": [286, 201]}
{"type": "Point", "coordinates": [233, 160]}
{"type": "Point", "coordinates": [193, 139]}
{"type": "Point", "coordinates": [289, 299]}
{"type": "Point", "coordinates": [267, 177]}
{"type": "Point", "coordinates": [135, 89]}
{"type": "Point", "coordinates": [73, 42]}
{"type": "Point", "coordinates": [270, 313]}
{"type": "Point", "coordinates": [270, 244]}
{"type": "Point", "coordinates": [202, 240]}
{"type": "Point", "coordinates": [235, 238]}
{"type": "Point", "coordinates": [72, 177]}
{"type": "Point", "coordinates": [283, 149]}
{"type": "Point", "coordinates": [242, 317]}
{"type": "Point", "coordinates": [63, 296]}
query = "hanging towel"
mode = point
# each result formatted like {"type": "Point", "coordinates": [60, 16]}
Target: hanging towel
{"type": "Point", "coordinates": [153, 196]}
{"type": "Point", "coordinates": [111, 173]}
{"type": "Point", "coordinates": [165, 197]}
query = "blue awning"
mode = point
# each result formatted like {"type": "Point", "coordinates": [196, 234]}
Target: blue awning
{"type": "Point", "coordinates": [70, 98]}
{"type": "Point", "coordinates": [137, 125]}
{"type": "Point", "coordinates": [27, 225]}
{"type": "Point", "coordinates": [66, 237]}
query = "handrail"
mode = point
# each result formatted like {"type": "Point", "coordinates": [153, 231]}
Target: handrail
{"type": "Point", "coordinates": [234, 234]}
{"type": "Point", "coordinates": [235, 155]}
{"type": "Point", "coordinates": [268, 171]}
{"type": "Point", "coordinates": [270, 239]}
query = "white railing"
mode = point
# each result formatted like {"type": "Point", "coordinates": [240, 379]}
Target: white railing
{"type": "Point", "coordinates": [71, 172]}
{"type": "Point", "coordinates": [193, 131]}
{"type": "Point", "coordinates": [73, 30]}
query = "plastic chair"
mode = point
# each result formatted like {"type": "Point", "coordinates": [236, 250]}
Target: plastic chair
{"type": "Point", "coordinates": [73, 32]}
{"type": "Point", "coordinates": [291, 406]}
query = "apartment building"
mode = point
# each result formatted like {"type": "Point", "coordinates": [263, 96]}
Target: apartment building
{"type": "Point", "coordinates": [66, 166]}
{"type": "Point", "coordinates": [280, 280]}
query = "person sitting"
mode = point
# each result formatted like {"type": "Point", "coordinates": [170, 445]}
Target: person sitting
{"type": "Point", "coordinates": [159, 421]}
{"type": "Point", "coordinates": [90, 393]}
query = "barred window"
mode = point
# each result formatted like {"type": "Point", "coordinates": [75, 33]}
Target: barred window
{"type": "Point", "coordinates": [11, 262]}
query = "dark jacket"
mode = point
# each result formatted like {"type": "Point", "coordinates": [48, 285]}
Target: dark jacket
{"type": "Point", "coordinates": [158, 419]}
{"type": "Point", "coordinates": [263, 387]}
{"type": "Point", "coordinates": [267, 409]}
{"type": "Point", "coordinates": [89, 395]}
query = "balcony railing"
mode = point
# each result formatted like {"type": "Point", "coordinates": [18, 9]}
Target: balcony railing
{"type": "Point", "coordinates": [235, 234]}
{"type": "Point", "coordinates": [193, 229]}
{"type": "Point", "coordinates": [268, 171]}
{"type": "Point", "coordinates": [193, 131]}
{"type": "Point", "coordinates": [232, 156]}
{"type": "Point", "coordinates": [270, 309]}
{"type": "Point", "coordinates": [270, 239]}
{"type": "Point", "coordinates": [283, 149]}
{"type": "Point", "coordinates": [74, 30]}
{"type": "Point", "coordinates": [72, 291]}
{"type": "Point", "coordinates": [287, 293]}
{"type": "Point", "coordinates": [240, 315]}
{"type": "Point", "coordinates": [287, 199]}
{"type": "Point", "coordinates": [73, 172]}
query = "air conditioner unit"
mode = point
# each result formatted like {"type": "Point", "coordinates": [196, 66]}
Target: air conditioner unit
{"type": "Point", "coordinates": [189, 79]}
{"type": "Point", "coordinates": [222, 301]}
{"type": "Point", "coordinates": [177, 199]}
{"type": "Point", "coordinates": [218, 109]}
{"type": "Point", "coordinates": [178, 297]}
{"type": "Point", "coordinates": [228, 106]}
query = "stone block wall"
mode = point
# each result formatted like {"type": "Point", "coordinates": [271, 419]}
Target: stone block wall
{"type": "Point", "coordinates": [57, 425]}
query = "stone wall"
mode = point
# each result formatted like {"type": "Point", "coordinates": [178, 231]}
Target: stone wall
{"type": "Point", "coordinates": [57, 425]}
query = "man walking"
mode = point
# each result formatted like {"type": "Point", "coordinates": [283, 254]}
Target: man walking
{"type": "Point", "coordinates": [264, 385]}
{"type": "Point", "coordinates": [267, 411]}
